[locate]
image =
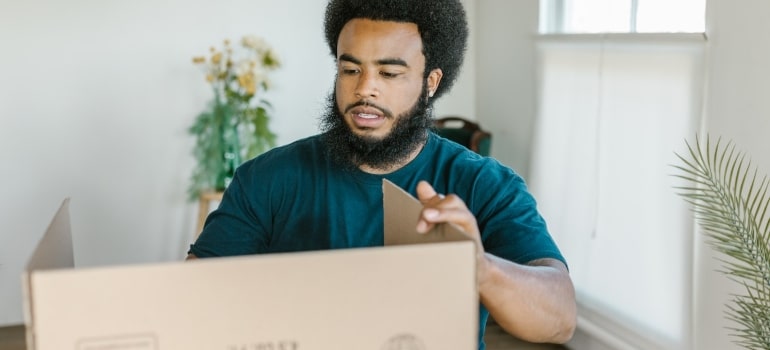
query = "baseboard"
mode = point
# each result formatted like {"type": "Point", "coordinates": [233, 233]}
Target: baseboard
{"type": "Point", "coordinates": [597, 330]}
{"type": "Point", "coordinates": [589, 336]}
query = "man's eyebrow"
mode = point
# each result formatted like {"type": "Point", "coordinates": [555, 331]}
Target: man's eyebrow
{"type": "Point", "coordinates": [349, 58]}
{"type": "Point", "coordinates": [381, 62]}
{"type": "Point", "coordinates": [392, 61]}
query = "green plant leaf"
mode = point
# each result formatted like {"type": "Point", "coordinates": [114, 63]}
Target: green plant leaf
{"type": "Point", "coordinates": [730, 204]}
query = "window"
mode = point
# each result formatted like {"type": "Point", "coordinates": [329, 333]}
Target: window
{"type": "Point", "coordinates": [611, 114]}
{"type": "Point", "coordinates": [622, 16]}
{"type": "Point", "coordinates": [612, 110]}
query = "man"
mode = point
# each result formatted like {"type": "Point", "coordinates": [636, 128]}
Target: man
{"type": "Point", "coordinates": [394, 58]}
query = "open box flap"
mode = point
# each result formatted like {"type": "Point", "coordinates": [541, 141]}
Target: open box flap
{"type": "Point", "coordinates": [401, 212]}
{"type": "Point", "coordinates": [53, 251]}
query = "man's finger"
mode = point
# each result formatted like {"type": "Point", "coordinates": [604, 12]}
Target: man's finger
{"type": "Point", "coordinates": [425, 191]}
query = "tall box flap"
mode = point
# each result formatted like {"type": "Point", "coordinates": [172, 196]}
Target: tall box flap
{"type": "Point", "coordinates": [53, 251]}
{"type": "Point", "coordinates": [55, 248]}
{"type": "Point", "coordinates": [401, 212]}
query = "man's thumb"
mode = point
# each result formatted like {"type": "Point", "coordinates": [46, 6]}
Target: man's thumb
{"type": "Point", "coordinates": [425, 191]}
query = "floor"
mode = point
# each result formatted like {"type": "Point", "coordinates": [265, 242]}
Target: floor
{"type": "Point", "coordinates": [497, 339]}
{"type": "Point", "coordinates": [12, 338]}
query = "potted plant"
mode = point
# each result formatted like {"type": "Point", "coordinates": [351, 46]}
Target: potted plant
{"type": "Point", "coordinates": [732, 206]}
{"type": "Point", "coordinates": [235, 125]}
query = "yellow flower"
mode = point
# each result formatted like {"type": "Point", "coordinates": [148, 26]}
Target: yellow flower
{"type": "Point", "coordinates": [255, 43]}
{"type": "Point", "coordinates": [246, 81]}
{"type": "Point", "coordinates": [244, 66]}
{"type": "Point", "coordinates": [240, 70]}
{"type": "Point", "coordinates": [216, 58]}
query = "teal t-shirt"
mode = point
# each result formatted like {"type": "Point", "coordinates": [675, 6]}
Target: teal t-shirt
{"type": "Point", "coordinates": [295, 198]}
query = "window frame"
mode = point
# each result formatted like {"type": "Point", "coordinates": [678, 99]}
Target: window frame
{"type": "Point", "coordinates": [552, 20]}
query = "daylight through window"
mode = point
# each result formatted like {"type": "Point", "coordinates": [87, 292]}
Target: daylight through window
{"type": "Point", "coordinates": [622, 16]}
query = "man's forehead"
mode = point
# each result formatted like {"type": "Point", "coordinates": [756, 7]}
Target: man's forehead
{"type": "Point", "coordinates": [389, 38]}
{"type": "Point", "coordinates": [381, 27]}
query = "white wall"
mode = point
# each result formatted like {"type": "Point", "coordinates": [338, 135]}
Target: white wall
{"type": "Point", "coordinates": [461, 100]}
{"type": "Point", "coordinates": [738, 109]}
{"type": "Point", "coordinates": [95, 99]}
{"type": "Point", "coordinates": [505, 72]}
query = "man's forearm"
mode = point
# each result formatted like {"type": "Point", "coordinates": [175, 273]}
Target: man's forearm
{"type": "Point", "coordinates": [534, 302]}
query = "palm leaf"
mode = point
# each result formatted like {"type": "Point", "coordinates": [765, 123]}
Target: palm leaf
{"type": "Point", "coordinates": [731, 204]}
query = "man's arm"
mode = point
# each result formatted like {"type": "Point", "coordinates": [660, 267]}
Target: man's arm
{"type": "Point", "coordinates": [534, 302]}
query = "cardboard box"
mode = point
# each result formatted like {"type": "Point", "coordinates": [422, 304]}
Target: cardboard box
{"type": "Point", "coordinates": [398, 297]}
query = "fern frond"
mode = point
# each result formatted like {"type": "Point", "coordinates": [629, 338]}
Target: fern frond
{"type": "Point", "coordinates": [731, 205]}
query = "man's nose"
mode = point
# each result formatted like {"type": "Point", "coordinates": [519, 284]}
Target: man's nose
{"type": "Point", "coordinates": [367, 85]}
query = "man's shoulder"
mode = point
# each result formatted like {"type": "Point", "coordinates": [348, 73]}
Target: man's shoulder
{"type": "Point", "coordinates": [303, 144]}
{"type": "Point", "coordinates": [299, 153]}
{"type": "Point", "coordinates": [308, 146]}
{"type": "Point", "coordinates": [459, 156]}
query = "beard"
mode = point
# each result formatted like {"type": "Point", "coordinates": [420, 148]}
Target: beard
{"type": "Point", "coordinates": [351, 151]}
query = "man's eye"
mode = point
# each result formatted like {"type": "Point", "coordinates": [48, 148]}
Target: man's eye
{"type": "Point", "coordinates": [389, 74]}
{"type": "Point", "coordinates": [349, 71]}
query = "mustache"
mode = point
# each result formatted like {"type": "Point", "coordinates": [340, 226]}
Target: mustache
{"type": "Point", "coordinates": [386, 112]}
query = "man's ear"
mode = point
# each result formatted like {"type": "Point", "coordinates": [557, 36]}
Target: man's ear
{"type": "Point", "coordinates": [434, 79]}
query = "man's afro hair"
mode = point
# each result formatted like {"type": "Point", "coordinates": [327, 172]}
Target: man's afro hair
{"type": "Point", "coordinates": [442, 25]}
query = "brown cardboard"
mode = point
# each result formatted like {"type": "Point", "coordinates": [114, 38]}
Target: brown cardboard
{"type": "Point", "coordinates": [401, 212]}
{"type": "Point", "coordinates": [400, 297]}
{"type": "Point", "coordinates": [53, 251]}
{"type": "Point", "coordinates": [55, 248]}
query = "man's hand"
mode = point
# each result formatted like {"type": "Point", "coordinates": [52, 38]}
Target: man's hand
{"type": "Point", "coordinates": [438, 208]}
